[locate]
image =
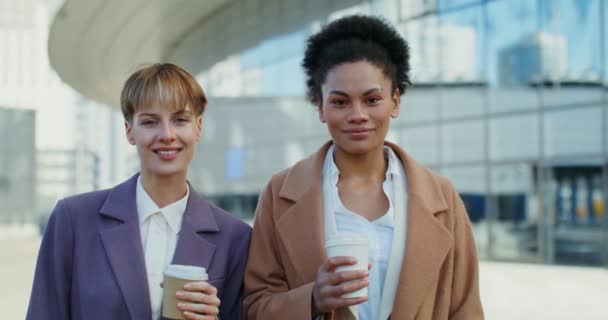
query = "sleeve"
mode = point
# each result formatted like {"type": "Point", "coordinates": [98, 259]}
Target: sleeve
{"type": "Point", "coordinates": [267, 293]}
{"type": "Point", "coordinates": [465, 300]}
{"type": "Point", "coordinates": [231, 306]}
{"type": "Point", "coordinates": [51, 291]}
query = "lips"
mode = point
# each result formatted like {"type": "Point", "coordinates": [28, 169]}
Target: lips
{"type": "Point", "coordinates": [167, 153]}
{"type": "Point", "coordinates": [357, 130]}
{"type": "Point", "coordinates": [358, 133]}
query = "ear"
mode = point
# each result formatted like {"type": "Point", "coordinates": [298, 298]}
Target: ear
{"type": "Point", "coordinates": [321, 112]}
{"type": "Point", "coordinates": [396, 100]}
{"type": "Point", "coordinates": [199, 127]}
{"type": "Point", "coordinates": [129, 132]}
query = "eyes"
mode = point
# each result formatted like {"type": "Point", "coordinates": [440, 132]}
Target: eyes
{"type": "Point", "coordinates": [342, 101]}
{"type": "Point", "coordinates": [150, 122]}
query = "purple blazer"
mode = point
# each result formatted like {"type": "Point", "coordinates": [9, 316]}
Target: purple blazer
{"type": "Point", "coordinates": [91, 262]}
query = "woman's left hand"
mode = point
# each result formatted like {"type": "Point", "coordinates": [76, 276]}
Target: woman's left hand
{"type": "Point", "coordinates": [199, 301]}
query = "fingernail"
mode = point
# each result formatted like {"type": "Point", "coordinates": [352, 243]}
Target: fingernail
{"type": "Point", "coordinates": [187, 286]}
{"type": "Point", "coordinates": [179, 294]}
{"type": "Point", "coordinates": [181, 305]}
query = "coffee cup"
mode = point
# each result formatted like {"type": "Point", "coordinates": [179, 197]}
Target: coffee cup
{"type": "Point", "coordinates": [350, 246]}
{"type": "Point", "coordinates": [175, 277]}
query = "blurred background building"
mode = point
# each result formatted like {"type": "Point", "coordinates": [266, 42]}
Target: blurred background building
{"type": "Point", "coordinates": [509, 101]}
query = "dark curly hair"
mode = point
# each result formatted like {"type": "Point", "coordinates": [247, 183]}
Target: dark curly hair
{"type": "Point", "coordinates": [351, 39]}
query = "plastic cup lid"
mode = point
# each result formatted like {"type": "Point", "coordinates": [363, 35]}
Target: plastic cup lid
{"type": "Point", "coordinates": [186, 272]}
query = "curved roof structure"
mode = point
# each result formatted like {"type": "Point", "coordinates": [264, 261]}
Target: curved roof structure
{"type": "Point", "coordinates": [95, 44]}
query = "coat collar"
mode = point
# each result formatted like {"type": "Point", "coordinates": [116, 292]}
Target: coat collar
{"type": "Point", "coordinates": [123, 245]}
{"type": "Point", "coordinates": [428, 241]}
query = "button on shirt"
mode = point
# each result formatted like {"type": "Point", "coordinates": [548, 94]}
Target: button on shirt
{"type": "Point", "coordinates": [159, 228]}
{"type": "Point", "coordinates": [379, 233]}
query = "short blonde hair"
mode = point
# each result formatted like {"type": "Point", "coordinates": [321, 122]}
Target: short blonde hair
{"type": "Point", "coordinates": [167, 84]}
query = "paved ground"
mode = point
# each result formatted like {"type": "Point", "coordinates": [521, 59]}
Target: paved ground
{"type": "Point", "coordinates": [509, 291]}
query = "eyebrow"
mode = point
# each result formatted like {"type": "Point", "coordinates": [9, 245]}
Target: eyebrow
{"type": "Point", "coordinates": [177, 113]}
{"type": "Point", "coordinates": [344, 94]}
{"type": "Point", "coordinates": [148, 115]}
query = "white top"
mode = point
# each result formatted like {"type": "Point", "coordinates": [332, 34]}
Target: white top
{"type": "Point", "coordinates": [379, 231]}
{"type": "Point", "coordinates": [159, 228]}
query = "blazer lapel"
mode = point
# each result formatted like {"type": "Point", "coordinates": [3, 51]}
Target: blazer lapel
{"type": "Point", "coordinates": [192, 248]}
{"type": "Point", "coordinates": [124, 249]}
{"type": "Point", "coordinates": [428, 241]}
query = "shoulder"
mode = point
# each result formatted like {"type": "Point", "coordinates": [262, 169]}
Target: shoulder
{"type": "Point", "coordinates": [81, 203]}
{"type": "Point", "coordinates": [86, 200]}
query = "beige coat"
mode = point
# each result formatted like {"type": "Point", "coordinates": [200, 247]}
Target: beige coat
{"type": "Point", "coordinates": [439, 275]}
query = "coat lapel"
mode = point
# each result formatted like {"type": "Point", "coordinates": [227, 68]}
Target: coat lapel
{"type": "Point", "coordinates": [300, 228]}
{"type": "Point", "coordinates": [428, 241]}
{"type": "Point", "coordinates": [192, 247]}
{"type": "Point", "coordinates": [124, 250]}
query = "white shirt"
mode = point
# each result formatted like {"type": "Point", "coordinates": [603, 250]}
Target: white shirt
{"type": "Point", "coordinates": [379, 232]}
{"type": "Point", "coordinates": [159, 228]}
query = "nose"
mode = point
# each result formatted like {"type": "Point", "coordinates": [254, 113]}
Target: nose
{"type": "Point", "coordinates": [166, 133]}
{"type": "Point", "coordinates": [358, 113]}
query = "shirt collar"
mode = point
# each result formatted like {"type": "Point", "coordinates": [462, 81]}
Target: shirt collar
{"type": "Point", "coordinates": [391, 171]}
{"type": "Point", "coordinates": [173, 212]}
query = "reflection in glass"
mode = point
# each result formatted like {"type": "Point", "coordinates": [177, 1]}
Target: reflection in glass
{"type": "Point", "coordinates": [460, 40]}
{"type": "Point", "coordinates": [512, 54]}
{"type": "Point", "coordinates": [515, 205]}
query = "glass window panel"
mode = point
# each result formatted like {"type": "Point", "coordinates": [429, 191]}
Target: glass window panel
{"type": "Point", "coordinates": [505, 98]}
{"type": "Point", "coordinates": [413, 8]}
{"type": "Point", "coordinates": [516, 210]}
{"type": "Point", "coordinates": [514, 137]}
{"type": "Point", "coordinates": [421, 143]}
{"type": "Point", "coordinates": [453, 4]}
{"type": "Point", "coordinates": [423, 38]}
{"type": "Point", "coordinates": [460, 42]}
{"type": "Point", "coordinates": [293, 79]}
{"type": "Point", "coordinates": [462, 142]}
{"type": "Point", "coordinates": [271, 79]}
{"type": "Point", "coordinates": [569, 44]}
{"type": "Point", "coordinates": [418, 105]}
{"type": "Point", "coordinates": [462, 101]}
{"type": "Point", "coordinates": [573, 132]}
{"type": "Point", "coordinates": [513, 53]}
{"type": "Point", "coordinates": [570, 94]}
{"type": "Point", "coordinates": [575, 198]}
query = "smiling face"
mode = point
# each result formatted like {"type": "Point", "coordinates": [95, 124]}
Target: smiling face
{"type": "Point", "coordinates": [357, 104]}
{"type": "Point", "coordinates": [165, 139]}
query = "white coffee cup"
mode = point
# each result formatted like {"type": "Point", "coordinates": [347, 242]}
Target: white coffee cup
{"type": "Point", "coordinates": [175, 277]}
{"type": "Point", "coordinates": [350, 246]}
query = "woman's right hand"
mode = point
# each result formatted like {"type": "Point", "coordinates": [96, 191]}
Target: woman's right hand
{"type": "Point", "coordinates": [331, 285]}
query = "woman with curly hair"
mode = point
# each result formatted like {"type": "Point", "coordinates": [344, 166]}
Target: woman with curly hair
{"type": "Point", "coordinates": [423, 261]}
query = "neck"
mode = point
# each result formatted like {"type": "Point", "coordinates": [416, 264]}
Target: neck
{"type": "Point", "coordinates": [371, 165]}
{"type": "Point", "coordinates": [164, 190]}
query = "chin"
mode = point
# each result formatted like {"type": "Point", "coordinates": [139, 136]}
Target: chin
{"type": "Point", "coordinates": [358, 147]}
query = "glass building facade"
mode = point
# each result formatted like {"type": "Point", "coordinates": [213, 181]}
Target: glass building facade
{"type": "Point", "coordinates": [509, 102]}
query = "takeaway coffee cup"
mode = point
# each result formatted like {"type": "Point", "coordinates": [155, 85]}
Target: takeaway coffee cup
{"type": "Point", "coordinates": [350, 246]}
{"type": "Point", "coordinates": [175, 277]}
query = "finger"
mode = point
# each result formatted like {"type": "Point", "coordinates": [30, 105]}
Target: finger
{"type": "Point", "coordinates": [343, 276]}
{"type": "Point", "coordinates": [200, 286]}
{"type": "Point", "coordinates": [340, 290]}
{"type": "Point", "coordinates": [198, 297]}
{"type": "Point", "coordinates": [332, 263]}
{"type": "Point", "coordinates": [335, 303]}
{"type": "Point", "coordinates": [200, 309]}
{"type": "Point", "coordinates": [369, 266]}
{"type": "Point", "coordinates": [193, 316]}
